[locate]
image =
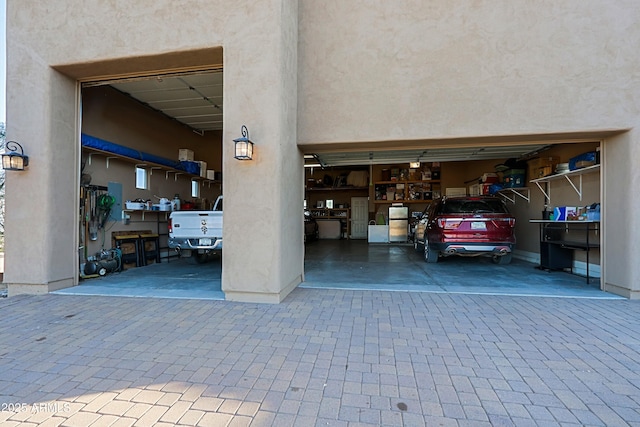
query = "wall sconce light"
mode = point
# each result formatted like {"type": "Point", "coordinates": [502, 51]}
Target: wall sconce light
{"type": "Point", "coordinates": [14, 161]}
{"type": "Point", "coordinates": [244, 146]}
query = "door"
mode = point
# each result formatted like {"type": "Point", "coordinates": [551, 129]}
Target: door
{"type": "Point", "coordinates": [359, 217]}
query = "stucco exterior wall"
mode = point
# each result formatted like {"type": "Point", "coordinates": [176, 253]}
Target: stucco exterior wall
{"type": "Point", "coordinates": [393, 72]}
{"type": "Point", "coordinates": [387, 71]}
{"type": "Point", "coordinates": [319, 72]}
{"type": "Point", "coordinates": [260, 56]}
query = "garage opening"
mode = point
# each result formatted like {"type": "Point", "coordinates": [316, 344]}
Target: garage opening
{"type": "Point", "coordinates": [363, 207]}
{"type": "Point", "coordinates": [151, 146]}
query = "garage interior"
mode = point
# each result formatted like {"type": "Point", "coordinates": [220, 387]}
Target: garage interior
{"type": "Point", "coordinates": [348, 191]}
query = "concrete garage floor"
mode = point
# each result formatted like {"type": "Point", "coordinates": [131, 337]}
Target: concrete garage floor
{"type": "Point", "coordinates": [354, 265]}
{"type": "Point", "coordinates": [177, 279]}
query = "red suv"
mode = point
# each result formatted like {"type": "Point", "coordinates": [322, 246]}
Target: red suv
{"type": "Point", "coordinates": [466, 226]}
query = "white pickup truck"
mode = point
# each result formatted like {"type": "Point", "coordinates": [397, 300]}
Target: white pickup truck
{"type": "Point", "coordinates": [197, 235]}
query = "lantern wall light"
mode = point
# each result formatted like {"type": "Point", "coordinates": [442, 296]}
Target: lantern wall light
{"type": "Point", "coordinates": [243, 145]}
{"type": "Point", "coordinates": [14, 160]}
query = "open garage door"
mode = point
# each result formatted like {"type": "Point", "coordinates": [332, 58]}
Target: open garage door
{"type": "Point", "coordinates": [527, 176]}
{"type": "Point", "coordinates": [150, 145]}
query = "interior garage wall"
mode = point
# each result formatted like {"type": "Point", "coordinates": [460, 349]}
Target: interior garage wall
{"type": "Point", "coordinates": [113, 116]}
{"type": "Point", "coordinates": [110, 115]}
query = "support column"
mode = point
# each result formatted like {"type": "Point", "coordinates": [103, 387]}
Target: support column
{"type": "Point", "coordinates": [263, 209]}
{"type": "Point", "coordinates": [41, 213]}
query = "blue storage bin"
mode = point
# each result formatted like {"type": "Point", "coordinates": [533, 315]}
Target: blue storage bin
{"type": "Point", "coordinates": [513, 178]}
{"type": "Point", "coordinates": [583, 160]}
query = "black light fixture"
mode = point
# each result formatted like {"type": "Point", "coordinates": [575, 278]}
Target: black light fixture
{"type": "Point", "coordinates": [14, 161]}
{"type": "Point", "coordinates": [244, 146]}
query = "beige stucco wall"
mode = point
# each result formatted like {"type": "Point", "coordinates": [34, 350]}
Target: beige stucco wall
{"type": "Point", "coordinates": [418, 70]}
{"type": "Point", "coordinates": [399, 72]}
{"type": "Point", "coordinates": [82, 40]}
{"type": "Point", "coordinates": [373, 72]}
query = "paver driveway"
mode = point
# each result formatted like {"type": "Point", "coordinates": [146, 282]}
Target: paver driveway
{"type": "Point", "coordinates": [323, 358]}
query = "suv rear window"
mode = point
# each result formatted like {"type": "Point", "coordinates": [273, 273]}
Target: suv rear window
{"type": "Point", "coordinates": [472, 206]}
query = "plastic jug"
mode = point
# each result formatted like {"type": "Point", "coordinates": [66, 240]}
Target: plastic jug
{"type": "Point", "coordinates": [175, 203]}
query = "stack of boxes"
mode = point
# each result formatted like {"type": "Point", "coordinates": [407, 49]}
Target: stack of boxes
{"type": "Point", "coordinates": [198, 167]}
{"type": "Point", "coordinates": [485, 181]}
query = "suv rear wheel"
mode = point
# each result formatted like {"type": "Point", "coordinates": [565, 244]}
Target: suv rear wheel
{"type": "Point", "coordinates": [430, 255]}
{"type": "Point", "coordinates": [502, 260]}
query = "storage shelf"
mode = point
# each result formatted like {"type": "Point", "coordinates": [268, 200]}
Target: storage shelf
{"type": "Point", "coordinates": [402, 201]}
{"type": "Point", "coordinates": [408, 187]}
{"type": "Point", "coordinates": [144, 164]}
{"type": "Point", "coordinates": [568, 176]}
{"type": "Point", "coordinates": [330, 213]}
{"type": "Point", "coordinates": [511, 194]}
{"type": "Point", "coordinates": [145, 211]}
{"type": "Point", "coordinates": [420, 181]}
{"type": "Point", "coordinates": [319, 189]}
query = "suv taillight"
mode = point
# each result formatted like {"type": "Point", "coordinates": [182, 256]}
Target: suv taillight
{"type": "Point", "coordinates": [448, 223]}
{"type": "Point", "coordinates": [169, 226]}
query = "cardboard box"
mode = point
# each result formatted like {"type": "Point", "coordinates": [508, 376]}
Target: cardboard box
{"type": "Point", "coordinates": [543, 166]}
{"type": "Point", "coordinates": [475, 189]}
{"type": "Point", "coordinates": [455, 191]}
{"type": "Point", "coordinates": [564, 213]}
{"type": "Point", "coordinates": [211, 174]}
{"type": "Point", "coordinates": [203, 168]}
{"type": "Point", "coordinates": [185, 155]}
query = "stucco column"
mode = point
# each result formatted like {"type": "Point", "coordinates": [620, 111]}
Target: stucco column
{"type": "Point", "coordinates": [620, 220]}
{"type": "Point", "coordinates": [41, 211]}
{"type": "Point", "coordinates": [263, 245]}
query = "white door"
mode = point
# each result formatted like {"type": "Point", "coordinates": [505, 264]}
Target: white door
{"type": "Point", "coordinates": [359, 217]}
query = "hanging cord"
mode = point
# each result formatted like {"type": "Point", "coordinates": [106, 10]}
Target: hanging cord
{"type": "Point", "coordinates": [104, 204]}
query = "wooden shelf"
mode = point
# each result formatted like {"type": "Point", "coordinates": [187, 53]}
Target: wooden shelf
{"type": "Point", "coordinates": [408, 186]}
{"type": "Point", "coordinates": [338, 189]}
{"type": "Point", "coordinates": [403, 201]}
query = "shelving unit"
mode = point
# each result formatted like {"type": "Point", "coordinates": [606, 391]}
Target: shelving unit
{"type": "Point", "coordinates": [569, 177]}
{"type": "Point", "coordinates": [161, 220]}
{"type": "Point", "coordinates": [341, 214]}
{"type": "Point", "coordinates": [408, 189]}
{"type": "Point", "coordinates": [557, 244]}
{"type": "Point", "coordinates": [149, 165]}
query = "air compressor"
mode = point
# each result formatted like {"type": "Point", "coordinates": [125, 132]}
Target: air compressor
{"type": "Point", "coordinates": [105, 261]}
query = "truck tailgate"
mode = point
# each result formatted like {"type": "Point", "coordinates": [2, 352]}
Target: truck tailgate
{"type": "Point", "coordinates": [196, 224]}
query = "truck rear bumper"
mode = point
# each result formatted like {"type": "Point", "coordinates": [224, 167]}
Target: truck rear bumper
{"type": "Point", "coordinates": [215, 244]}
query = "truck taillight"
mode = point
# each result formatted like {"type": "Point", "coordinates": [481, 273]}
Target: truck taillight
{"type": "Point", "coordinates": [170, 226]}
{"type": "Point", "coordinates": [512, 222]}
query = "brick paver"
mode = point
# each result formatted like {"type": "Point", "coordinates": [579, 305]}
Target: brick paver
{"type": "Point", "coordinates": [322, 357]}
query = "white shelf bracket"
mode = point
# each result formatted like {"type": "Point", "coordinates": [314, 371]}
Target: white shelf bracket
{"type": "Point", "coordinates": [109, 158]}
{"type": "Point", "coordinates": [579, 191]}
{"type": "Point", "coordinates": [515, 193]}
{"type": "Point", "coordinates": [175, 177]}
{"type": "Point", "coordinates": [152, 168]}
{"type": "Point", "coordinates": [546, 195]}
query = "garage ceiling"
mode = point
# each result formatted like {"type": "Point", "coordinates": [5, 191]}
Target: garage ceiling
{"type": "Point", "coordinates": [422, 155]}
{"type": "Point", "coordinates": [195, 100]}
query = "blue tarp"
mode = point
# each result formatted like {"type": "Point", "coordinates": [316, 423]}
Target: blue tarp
{"type": "Point", "coordinates": [121, 150]}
